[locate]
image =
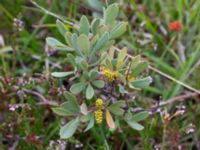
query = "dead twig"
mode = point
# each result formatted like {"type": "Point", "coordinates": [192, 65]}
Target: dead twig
{"type": "Point", "coordinates": [156, 108]}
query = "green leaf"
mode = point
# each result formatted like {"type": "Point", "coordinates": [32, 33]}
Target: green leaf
{"type": "Point", "coordinates": [140, 116]}
{"type": "Point", "coordinates": [83, 65]}
{"type": "Point", "coordinates": [54, 43]}
{"type": "Point", "coordinates": [135, 61]}
{"type": "Point", "coordinates": [122, 54]}
{"type": "Point", "coordinates": [116, 108]}
{"type": "Point", "coordinates": [69, 129]}
{"type": "Point", "coordinates": [61, 27]}
{"type": "Point", "coordinates": [140, 67]}
{"type": "Point", "coordinates": [101, 42]}
{"type": "Point", "coordinates": [71, 59]}
{"type": "Point", "coordinates": [77, 87]}
{"type": "Point", "coordinates": [103, 57]}
{"type": "Point", "coordinates": [93, 74]}
{"type": "Point", "coordinates": [96, 4]}
{"type": "Point", "coordinates": [111, 13]}
{"type": "Point", "coordinates": [68, 38]}
{"type": "Point", "coordinates": [84, 109]}
{"type": "Point", "coordinates": [75, 44]}
{"type": "Point", "coordinates": [84, 26]}
{"type": "Point", "coordinates": [62, 111]}
{"type": "Point", "coordinates": [89, 92]}
{"type": "Point", "coordinates": [142, 83]}
{"type": "Point", "coordinates": [91, 123]}
{"type": "Point", "coordinates": [84, 43]}
{"type": "Point", "coordinates": [98, 83]}
{"type": "Point", "coordinates": [72, 103]}
{"type": "Point", "coordinates": [118, 30]}
{"type": "Point", "coordinates": [61, 74]}
{"type": "Point", "coordinates": [95, 25]}
{"type": "Point", "coordinates": [133, 124]}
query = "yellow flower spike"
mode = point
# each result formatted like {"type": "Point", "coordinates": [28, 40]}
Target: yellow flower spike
{"type": "Point", "coordinates": [98, 116]}
{"type": "Point", "coordinates": [99, 103]}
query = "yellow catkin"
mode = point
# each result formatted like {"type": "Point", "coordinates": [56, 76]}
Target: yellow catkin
{"type": "Point", "coordinates": [99, 103]}
{"type": "Point", "coordinates": [98, 116]}
{"type": "Point", "coordinates": [98, 113]}
{"type": "Point", "coordinates": [110, 75]}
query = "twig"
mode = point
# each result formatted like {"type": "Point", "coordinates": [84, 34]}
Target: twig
{"type": "Point", "coordinates": [156, 107]}
{"type": "Point", "coordinates": [44, 101]}
{"type": "Point", "coordinates": [178, 98]}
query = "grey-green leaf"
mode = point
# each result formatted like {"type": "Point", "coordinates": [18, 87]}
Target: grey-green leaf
{"type": "Point", "coordinates": [98, 83]}
{"type": "Point", "coordinates": [61, 27]}
{"type": "Point", "coordinates": [69, 129]}
{"type": "Point", "coordinates": [89, 92]}
{"type": "Point", "coordinates": [111, 13]}
{"type": "Point", "coordinates": [84, 26]}
{"type": "Point", "coordinates": [91, 122]}
{"type": "Point", "coordinates": [93, 74]}
{"type": "Point", "coordinates": [95, 25]}
{"type": "Point", "coordinates": [61, 74]}
{"type": "Point", "coordinates": [68, 38]}
{"type": "Point", "coordinates": [54, 43]}
{"type": "Point", "coordinates": [142, 83]}
{"type": "Point", "coordinates": [133, 124]}
{"type": "Point", "coordinates": [101, 42]}
{"type": "Point", "coordinates": [118, 30]}
{"type": "Point", "coordinates": [61, 111]}
{"type": "Point", "coordinates": [73, 104]}
{"type": "Point", "coordinates": [84, 43]}
{"type": "Point", "coordinates": [96, 4]}
{"type": "Point", "coordinates": [140, 67]}
{"type": "Point", "coordinates": [116, 108]}
{"type": "Point", "coordinates": [140, 116]}
{"type": "Point", "coordinates": [77, 87]}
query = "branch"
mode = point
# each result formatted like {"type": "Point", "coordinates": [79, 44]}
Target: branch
{"type": "Point", "coordinates": [155, 108]}
{"type": "Point", "coordinates": [44, 101]}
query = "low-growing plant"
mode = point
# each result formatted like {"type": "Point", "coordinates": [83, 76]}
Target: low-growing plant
{"type": "Point", "coordinates": [103, 79]}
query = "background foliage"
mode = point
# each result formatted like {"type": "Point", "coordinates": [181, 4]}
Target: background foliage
{"type": "Point", "coordinates": [27, 121]}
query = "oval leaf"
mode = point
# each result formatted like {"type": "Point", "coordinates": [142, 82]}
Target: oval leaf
{"type": "Point", "coordinates": [133, 124]}
{"type": "Point", "coordinates": [77, 87]}
{"type": "Point", "coordinates": [101, 42]}
{"type": "Point", "coordinates": [72, 103]}
{"type": "Point", "coordinates": [68, 130]}
{"type": "Point", "coordinates": [95, 25]}
{"type": "Point", "coordinates": [140, 67]}
{"type": "Point", "coordinates": [61, 27]}
{"type": "Point", "coordinates": [142, 83]}
{"type": "Point", "coordinates": [118, 30]}
{"type": "Point", "coordinates": [98, 83]}
{"type": "Point", "coordinates": [140, 116]}
{"type": "Point", "coordinates": [54, 43]}
{"type": "Point", "coordinates": [84, 43]}
{"type": "Point", "coordinates": [91, 122]}
{"type": "Point", "coordinates": [89, 92]}
{"type": "Point", "coordinates": [84, 25]}
{"type": "Point", "coordinates": [111, 13]}
{"type": "Point", "coordinates": [116, 108]}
